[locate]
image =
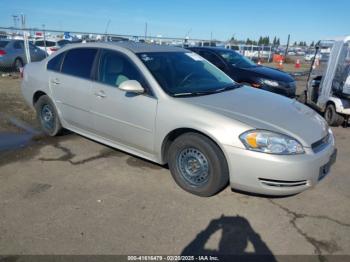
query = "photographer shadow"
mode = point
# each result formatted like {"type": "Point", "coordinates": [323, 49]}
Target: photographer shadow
{"type": "Point", "coordinates": [235, 237]}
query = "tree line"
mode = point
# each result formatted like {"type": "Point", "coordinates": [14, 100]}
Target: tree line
{"type": "Point", "coordinates": [265, 40]}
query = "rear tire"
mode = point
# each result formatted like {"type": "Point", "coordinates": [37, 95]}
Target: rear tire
{"type": "Point", "coordinates": [332, 117]}
{"type": "Point", "coordinates": [198, 165]}
{"type": "Point", "coordinates": [47, 116]}
{"type": "Point", "coordinates": [17, 64]}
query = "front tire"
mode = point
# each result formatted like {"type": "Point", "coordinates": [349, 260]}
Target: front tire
{"type": "Point", "coordinates": [198, 165]}
{"type": "Point", "coordinates": [47, 116]}
{"type": "Point", "coordinates": [332, 117]}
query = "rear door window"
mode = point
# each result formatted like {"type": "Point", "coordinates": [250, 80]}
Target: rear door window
{"type": "Point", "coordinates": [3, 44]}
{"type": "Point", "coordinates": [18, 45]}
{"type": "Point", "coordinates": [78, 62]}
{"type": "Point", "coordinates": [55, 63]}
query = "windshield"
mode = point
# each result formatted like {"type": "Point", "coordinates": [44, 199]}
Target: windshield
{"type": "Point", "coordinates": [3, 44]}
{"type": "Point", "coordinates": [236, 59]}
{"type": "Point", "coordinates": [180, 73]}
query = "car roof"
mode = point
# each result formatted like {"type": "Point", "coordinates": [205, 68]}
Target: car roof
{"type": "Point", "coordinates": [214, 48]}
{"type": "Point", "coordinates": [11, 40]}
{"type": "Point", "coordinates": [134, 47]}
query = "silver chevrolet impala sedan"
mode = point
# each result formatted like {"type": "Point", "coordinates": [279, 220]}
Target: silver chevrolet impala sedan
{"type": "Point", "coordinates": [171, 106]}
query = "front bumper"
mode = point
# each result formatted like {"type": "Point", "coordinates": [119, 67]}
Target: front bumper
{"type": "Point", "coordinates": [269, 174]}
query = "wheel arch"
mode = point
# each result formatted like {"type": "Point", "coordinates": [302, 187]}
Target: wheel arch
{"type": "Point", "coordinates": [172, 135]}
{"type": "Point", "coordinates": [337, 104]}
{"type": "Point", "coordinates": [37, 95]}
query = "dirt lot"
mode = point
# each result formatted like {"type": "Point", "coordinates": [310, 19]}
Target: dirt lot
{"type": "Point", "coordinates": [70, 195]}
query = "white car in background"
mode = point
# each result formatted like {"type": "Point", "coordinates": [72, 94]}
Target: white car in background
{"type": "Point", "coordinates": [51, 45]}
{"type": "Point", "coordinates": [309, 57]}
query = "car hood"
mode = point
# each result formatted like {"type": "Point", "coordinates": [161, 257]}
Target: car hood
{"type": "Point", "coordinates": [269, 73]}
{"type": "Point", "coordinates": [265, 110]}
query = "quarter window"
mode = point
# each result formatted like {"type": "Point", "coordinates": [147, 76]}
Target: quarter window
{"type": "Point", "coordinates": [114, 69]}
{"type": "Point", "coordinates": [55, 63]}
{"type": "Point", "coordinates": [78, 62]}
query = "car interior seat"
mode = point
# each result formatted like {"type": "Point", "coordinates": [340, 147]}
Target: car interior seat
{"type": "Point", "coordinates": [114, 71]}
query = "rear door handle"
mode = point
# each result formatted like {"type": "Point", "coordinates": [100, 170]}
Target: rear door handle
{"type": "Point", "coordinates": [55, 81]}
{"type": "Point", "coordinates": [100, 94]}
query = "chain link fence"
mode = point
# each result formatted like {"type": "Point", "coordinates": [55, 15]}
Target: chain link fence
{"type": "Point", "coordinates": [21, 46]}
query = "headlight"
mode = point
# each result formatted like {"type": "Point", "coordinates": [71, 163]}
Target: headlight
{"type": "Point", "coordinates": [271, 143]}
{"type": "Point", "coordinates": [269, 82]}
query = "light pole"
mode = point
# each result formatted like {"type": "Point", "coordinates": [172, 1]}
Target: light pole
{"type": "Point", "coordinates": [43, 25]}
{"type": "Point", "coordinates": [146, 28]}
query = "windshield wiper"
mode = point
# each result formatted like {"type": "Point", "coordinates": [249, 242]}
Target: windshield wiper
{"type": "Point", "coordinates": [227, 88]}
{"type": "Point", "coordinates": [208, 92]}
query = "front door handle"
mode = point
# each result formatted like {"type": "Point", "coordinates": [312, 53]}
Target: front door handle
{"type": "Point", "coordinates": [100, 94]}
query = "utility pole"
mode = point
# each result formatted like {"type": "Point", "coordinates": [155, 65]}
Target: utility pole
{"type": "Point", "coordinates": [145, 31]}
{"type": "Point", "coordinates": [286, 52]}
{"type": "Point", "coordinates": [106, 29]}
{"type": "Point", "coordinates": [25, 39]}
{"type": "Point", "coordinates": [43, 25]}
{"type": "Point", "coordinates": [15, 20]}
{"type": "Point", "coordinates": [15, 25]}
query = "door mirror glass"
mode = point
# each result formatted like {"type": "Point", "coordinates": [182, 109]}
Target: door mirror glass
{"type": "Point", "coordinates": [132, 86]}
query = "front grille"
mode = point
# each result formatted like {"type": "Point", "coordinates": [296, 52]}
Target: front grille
{"type": "Point", "coordinates": [282, 183]}
{"type": "Point", "coordinates": [320, 144]}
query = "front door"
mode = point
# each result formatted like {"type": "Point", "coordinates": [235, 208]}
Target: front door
{"type": "Point", "coordinates": [124, 118]}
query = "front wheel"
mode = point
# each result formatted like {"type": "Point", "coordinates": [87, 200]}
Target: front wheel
{"type": "Point", "coordinates": [198, 165]}
{"type": "Point", "coordinates": [332, 117]}
{"type": "Point", "coordinates": [47, 116]}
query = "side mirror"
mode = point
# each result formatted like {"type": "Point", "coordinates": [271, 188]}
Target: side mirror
{"type": "Point", "coordinates": [132, 86]}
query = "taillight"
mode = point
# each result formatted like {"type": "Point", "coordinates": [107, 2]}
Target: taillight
{"type": "Point", "coordinates": [2, 52]}
{"type": "Point", "coordinates": [53, 49]}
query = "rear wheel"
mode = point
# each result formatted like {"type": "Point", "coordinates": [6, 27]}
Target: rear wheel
{"type": "Point", "coordinates": [47, 116]}
{"type": "Point", "coordinates": [17, 64]}
{"type": "Point", "coordinates": [198, 165]}
{"type": "Point", "coordinates": [332, 117]}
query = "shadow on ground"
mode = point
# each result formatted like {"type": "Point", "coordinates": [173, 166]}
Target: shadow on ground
{"type": "Point", "coordinates": [236, 234]}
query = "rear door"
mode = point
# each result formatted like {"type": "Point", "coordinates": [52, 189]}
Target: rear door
{"type": "Point", "coordinates": [18, 50]}
{"type": "Point", "coordinates": [124, 118]}
{"type": "Point", "coordinates": [72, 87]}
